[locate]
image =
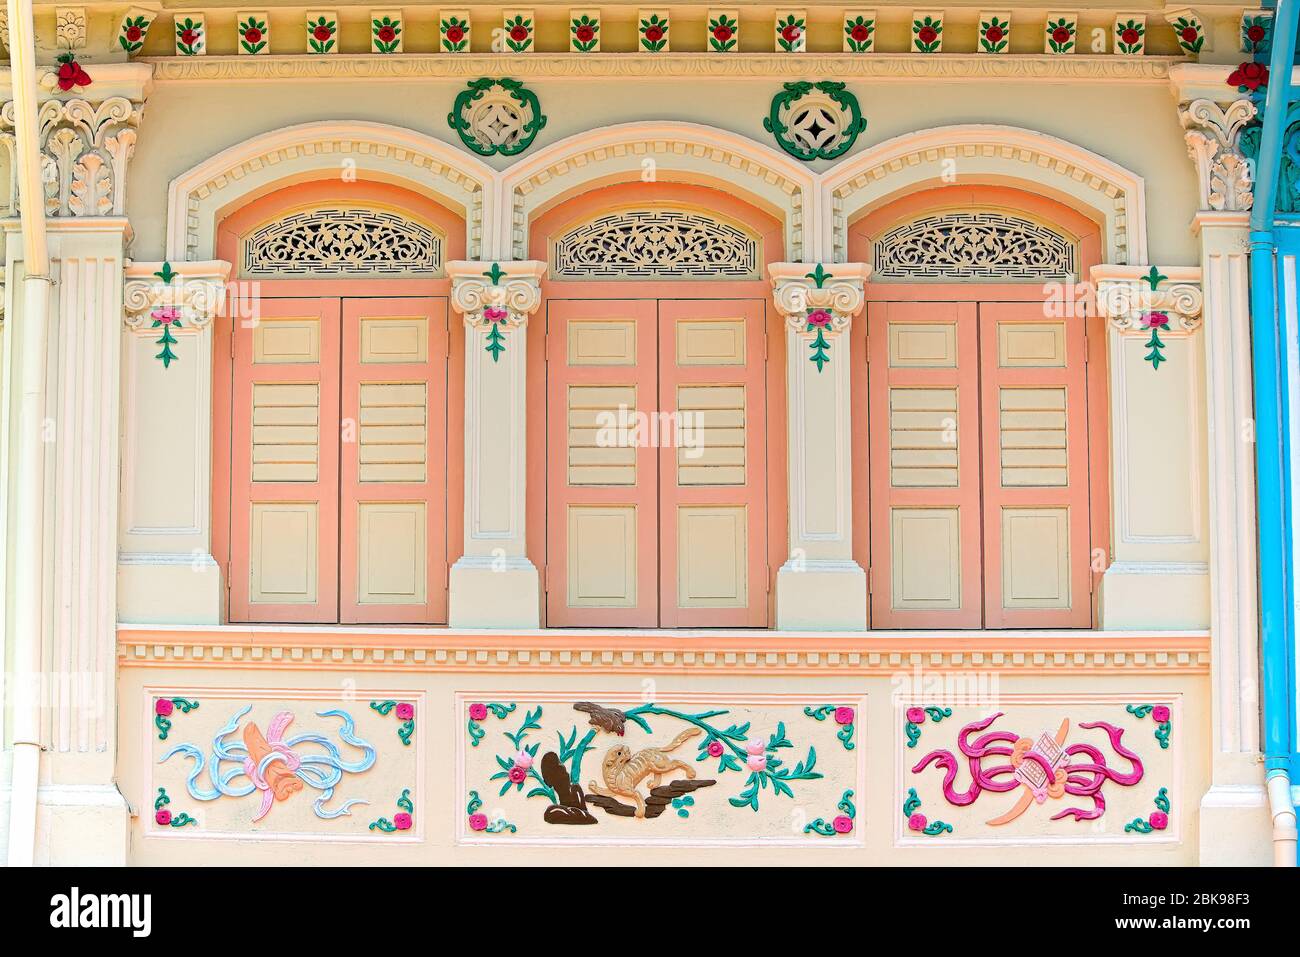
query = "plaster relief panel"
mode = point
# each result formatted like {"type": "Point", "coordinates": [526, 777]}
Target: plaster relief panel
{"type": "Point", "coordinates": [292, 765]}
{"type": "Point", "coordinates": [1039, 769]}
{"type": "Point", "coordinates": [691, 769]}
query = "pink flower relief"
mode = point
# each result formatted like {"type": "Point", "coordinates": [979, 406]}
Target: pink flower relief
{"type": "Point", "coordinates": [917, 822]}
{"type": "Point", "coordinates": [756, 746]}
{"type": "Point", "coordinates": [477, 711]}
{"type": "Point", "coordinates": [842, 824]}
{"type": "Point", "coordinates": [916, 715]}
{"type": "Point", "coordinates": [518, 775]}
{"type": "Point", "coordinates": [819, 317]}
{"type": "Point", "coordinates": [167, 315]}
{"type": "Point", "coordinates": [757, 762]}
{"type": "Point", "coordinates": [402, 821]}
{"type": "Point", "coordinates": [1156, 320]}
{"type": "Point", "coordinates": [1160, 713]}
{"type": "Point", "coordinates": [523, 759]}
{"type": "Point", "coordinates": [714, 748]}
{"type": "Point", "coordinates": [844, 715]}
{"type": "Point", "coordinates": [163, 707]}
{"type": "Point", "coordinates": [1158, 820]}
{"type": "Point", "coordinates": [163, 817]}
{"type": "Point", "coordinates": [478, 822]}
{"type": "Point", "coordinates": [405, 711]}
{"type": "Point", "coordinates": [493, 314]}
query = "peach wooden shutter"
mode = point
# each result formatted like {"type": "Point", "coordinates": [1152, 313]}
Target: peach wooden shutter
{"type": "Point", "coordinates": [393, 525]}
{"type": "Point", "coordinates": [925, 479]}
{"type": "Point", "coordinates": [1036, 526]}
{"type": "Point", "coordinates": [284, 462]}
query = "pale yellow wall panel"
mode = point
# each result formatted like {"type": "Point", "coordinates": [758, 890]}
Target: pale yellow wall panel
{"type": "Point", "coordinates": [282, 568]}
{"type": "Point", "coordinates": [602, 556]}
{"type": "Point", "coordinates": [394, 339]}
{"type": "Point", "coordinates": [712, 343]}
{"type": "Point", "coordinates": [1031, 344]}
{"type": "Point", "coordinates": [286, 340]}
{"type": "Point", "coordinates": [925, 555]}
{"type": "Point", "coordinates": [928, 345]}
{"type": "Point", "coordinates": [392, 557]}
{"type": "Point", "coordinates": [604, 342]}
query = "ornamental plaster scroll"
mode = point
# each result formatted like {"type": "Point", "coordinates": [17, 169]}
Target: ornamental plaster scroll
{"type": "Point", "coordinates": [881, 67]}
{"type": "Point", "coordinates": [430, 166]}
{"type": "Point", "coordinates": [85, 148]}
{"type": "Point", "coordinates": [1213, 135]}
{"type": "Point", "coordinates": [196, 292]}
{"type": "Point", "coordinates": [800, 289]}
{"type": "Point", "coordinates": [985, 153]}
{"type": "Point", "coordinates": [490, 293]}
{"type": "Point", "coordinates": [1125, 297]}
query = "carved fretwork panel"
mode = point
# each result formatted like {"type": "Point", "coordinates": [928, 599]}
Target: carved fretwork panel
{"type": "Point", "coordinates": [339, 241]}
{"type": "Point", "coordinates": [981, 246]}
{"type": "Point", "coordinates": [656, 244]}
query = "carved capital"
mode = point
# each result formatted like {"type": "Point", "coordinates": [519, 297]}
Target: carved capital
{"type": "Point", "coordinates": [803, 290]}
{"type": "Point", "coordinates": [1213, 135]}
{"type": "Point", "coordinates": [192, 292]}
{"type": "Point", "coordinates": [85, 148]}
{"type": "Point", "coordinates": [1127, 299]}
{"type": "Point", "coordinates": [488, 293]}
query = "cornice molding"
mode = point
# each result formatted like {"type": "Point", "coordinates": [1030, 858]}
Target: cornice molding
{"type": "Point", "coordinates": [133, 80]}
{"type": "Point", "coordinates": [565, 652]}
{"type": "Point", "coordinates": [885, 67]}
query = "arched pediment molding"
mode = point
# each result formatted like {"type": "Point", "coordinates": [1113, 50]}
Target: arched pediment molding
{"type": "Point", "coordinates": [992, 155]}
{"type": "Point", "coordinates": [198, 197]}
{"type": "Point", "coordinates": [686, 151]}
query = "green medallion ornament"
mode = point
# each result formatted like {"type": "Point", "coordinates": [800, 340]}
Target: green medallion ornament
{"type": "Point", "coordinates": [496, 116]}
{"type": "Point", "coordinates": [814, 121]}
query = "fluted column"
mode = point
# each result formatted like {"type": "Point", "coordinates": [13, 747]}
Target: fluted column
{"type": "Point", "coordinates": [820, 586]}
{"type": "Point", "coordinates": [494, 585]}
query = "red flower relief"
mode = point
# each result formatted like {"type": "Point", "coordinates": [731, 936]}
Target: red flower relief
{"type": "Point", "coordinates": [1249, 76]}
{"type": "Point", "coordinates": [791, 34]}
{"type": "Point", "coordinates": [1188, 35]}
{"type": "Point", "coordinates": [71, 74]}
{"type": "Point", "coordinates": [1130, 36]}
{"type": "Point", "coordinates": [133, 34]}
{"type": "Point", "coordinates": [518, 34]}
{"type": "Point", "coordinates": [189, 37]}
{"type": "Point", "coordinates": [321, 33]}
{"type": "Point", "coordinates": [927, 35]}
{"type": "Point", "coordinates": [654, 34]}
{"type": "Point", "coordinates": [993, 34]}
{"type": "Point", "coordinates": [455, 34]}
{"type": "Point", "coordinates": [585, 34]}
{"type": "Point", "coordinates": [860, 33]}
{"type": "Point", "coordinates": [721, 33]}
{"type": "Point", "coordinates": [1061, 35]}
{"type": "Point", "coordinates": [386, 35]}
{"type": "Point", "coordinates": [252, 35]}
{"type": "Point", "coordinates": [1255, 34]}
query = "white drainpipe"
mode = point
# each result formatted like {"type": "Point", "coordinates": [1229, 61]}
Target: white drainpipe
{"type": "Point", "coordinates": [1282, 811]}
{"type": "Point", "coordinates": [29, 458]}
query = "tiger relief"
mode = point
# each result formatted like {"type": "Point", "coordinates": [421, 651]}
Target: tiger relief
{"type": "Point", "coordinates": [623, 770]}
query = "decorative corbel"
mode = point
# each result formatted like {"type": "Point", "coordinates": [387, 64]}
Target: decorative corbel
{"type": "Point", "coordinates": [817, 302]}
{"type": "Point", "coordinates": [158, 296]}
{"type": "Point", "coordinates": [1150, 303]}
{"type": "Point", "coordinates": [498, 299]}
{"type": "Point", "coordinates": [1189, 30]}
{"type": "Point", "coordinates": [1213, 136]}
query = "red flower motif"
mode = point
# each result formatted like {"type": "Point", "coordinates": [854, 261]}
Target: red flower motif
{"type": "Point", "coordinates": [819, 317]}
{"type": "Point", "coordinates": [1061, 35]}
{"type": "Point", "coordinates": [1249, 76]}
{"type": "Point", "coordinates": [844, 716]}
{"type": "Point", "coordinates": [1188, 35]}
{"type": "Point", "coordinates": [477, 711]}
{"type": "Point", "coordinates": [455, 35]}
{"type": "Point", "coordinates": [714, 749]}
{"type": "Point", "coordinates": [71, 74]}
{"type": "Point", "coordinates": [402, 821]}
{"type": "Point", "coordinates": [163, 707]}
{"type": "Point", "coordinates": [1156, 320]}
{"type": "Point", "coordinates": [252, 35]}
{"type": "Point", "coordinates": [917, 822]}
{"type": "Point", "coordinates": [519, 34]}
{"type": "Point", "coordinates": [1255, 34]}
{"type": "Point", "coordinates": [585, 34]}
{"type": "Point", "coordinates": [916, 715]}
{"type": "Point", "coordinates": [478, 822]}
{"type": "Point", "coordinates": [133, 34]}
{"type": "Point", "coordinates": [518, 775]}
{"type": "Point", "coordinates": [1130, 36]}
{"type": "Point", "coordinates": [842, 824]}
{"type": "Point", "coordinates": [386, 35]}
{"type": "Point", "coordinates": [721, 33]}
{"type": "Point", "coordinates": [163, 817]}
{"type": "Point", "coordinates": [405, 711]}
{"type": "Point", "coordinates": [993, 34]}
{"type": "Point", "coordinates": [1160, 713]}
{"type": "Point", "coordinates": [1158, 820]}
{"type": "Point", "coordinates": [321, 34]}
{"type": "Point", "coordinates": [493, 314]}
{"type": "Point", "coordinates": [927, 35]}
{"type": "Point", "coordinates": [189, 37]}
{"type": "Point", "coordinates": [860, 33]}
{"type": "Point", "coordinates": [654, 34]}
{"type": "Point", "coordinates": [791, 34]}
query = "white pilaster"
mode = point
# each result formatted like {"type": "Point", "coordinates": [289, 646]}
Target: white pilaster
{"type": "Point", "coordinates": [820, 586]}
{"type": "Point", "coordinates": [165, 568]}
{"type": "Point", "coordinates": [1159, 575]}
{"type": "Point", "coordinates": [494, 585]}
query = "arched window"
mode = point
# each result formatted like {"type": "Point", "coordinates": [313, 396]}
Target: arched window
{"type": "Point", "coordinates": [339, 242]}
{"type": "Point", "coordinates": [974, 246]}
{"type": "Point", "coordinates": [656, 243]}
